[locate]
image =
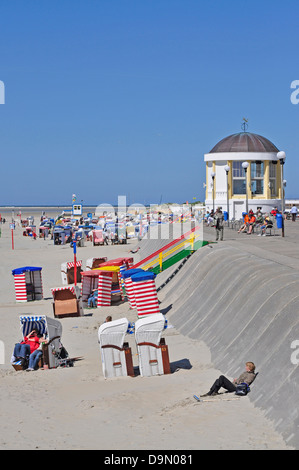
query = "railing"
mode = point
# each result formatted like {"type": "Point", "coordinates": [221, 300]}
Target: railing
{"type": "Point", "coordinates": [173, 251]}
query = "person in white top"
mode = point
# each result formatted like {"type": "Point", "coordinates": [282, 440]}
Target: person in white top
{"type": "Point", "coordinates": [294, 211]}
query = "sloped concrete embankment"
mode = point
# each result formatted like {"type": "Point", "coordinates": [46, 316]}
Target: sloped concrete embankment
{"type": "Point", "coordinates": [245, 309]}
{"type": "Point", "coordinates": [160, 235]}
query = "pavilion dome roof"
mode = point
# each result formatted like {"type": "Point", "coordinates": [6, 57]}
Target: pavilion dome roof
{"type": "Point", "coordinates": [244, 142]}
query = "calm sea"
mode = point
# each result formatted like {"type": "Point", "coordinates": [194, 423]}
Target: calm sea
{"type": "Point", "coordinates": [9, 212]}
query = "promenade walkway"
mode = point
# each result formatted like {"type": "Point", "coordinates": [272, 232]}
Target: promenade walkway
{"type": "Point", "coordinates": [283, 250]}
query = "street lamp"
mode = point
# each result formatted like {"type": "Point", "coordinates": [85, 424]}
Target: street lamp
{"type": "Point", "coordinates": [245, 165]}
{"type": "Point", "coordinates": [213, 174]}
{"type": "Point", "coordinates": [281, 156]}
{"type": "Point", "coordinates": [227, 169]}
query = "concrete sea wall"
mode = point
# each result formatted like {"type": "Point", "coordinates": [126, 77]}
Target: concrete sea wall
{"type": "Point", "coordinates": [245, 309]}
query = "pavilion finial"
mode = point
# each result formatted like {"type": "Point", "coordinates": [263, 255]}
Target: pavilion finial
{"type": "Point", "coordinates": [244, 125]}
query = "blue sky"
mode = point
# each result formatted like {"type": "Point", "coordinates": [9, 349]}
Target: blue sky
{"type": "Point", "coordinates": [121, 97]}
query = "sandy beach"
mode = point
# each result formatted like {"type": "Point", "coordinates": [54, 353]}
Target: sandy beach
{"type": "Point", "coordinates": [77, 408]}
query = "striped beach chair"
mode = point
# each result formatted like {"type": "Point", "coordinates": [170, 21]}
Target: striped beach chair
{"type": "Point", "coordinates": [54, 354]}
{"type": "Point", "coordinates": [28, 283]}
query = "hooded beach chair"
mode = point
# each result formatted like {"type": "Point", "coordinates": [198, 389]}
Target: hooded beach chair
{"type": "Point", "coordinates": [127, 277]}
{"type": "Point", "coordinates": [28, 283]}
{"type": "Point", "coordinates": [54, 354]}
{"type": "Point", "coordinates": [152, 350]}
{"type": "Point", "coordinates": [101, 281]}
{"type": "Point", "coordinates": [115, 354]}
{"type": "Point", "coordinates": [67, 301]}
{"type": "Point", "coordinates": [116, 288]}
{"type": "Point", "coordinates": [68, 272]}
{"type": "Point", "coordinates": [98, 237]}
{"type": "Point", "coordinates": [145, 293]}
{"type": "Point", "coordinates": [122, 234]}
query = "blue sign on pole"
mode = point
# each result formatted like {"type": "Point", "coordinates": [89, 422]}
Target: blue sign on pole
{"type": "Point", "coordinates": [75, 246]}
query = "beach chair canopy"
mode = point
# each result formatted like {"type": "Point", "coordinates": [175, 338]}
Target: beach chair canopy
{"type": "Point", "coordinates": [114, 262]}
{"type": "Point", "coordinates": [25, 269]}
{"type": "Point", "coordinates": [150, 328]}
{"type": "Point", "coordinates": [148, 331]}
{"type": "Point", "coordinates": [92, 263]}
{"type": "Point", "coordinates": [113, 332]}
{"type": "Point", "coordinates": [91, 273]}
{"type": "Point", "coordinates": [114, 269]}
{"type": "Point", "coordinates": [131, 272]}
{"type": "Point", "coordinates": [65, 293]}
{"type": "Point", "coordinates": [97, 234]}
{"type": "Point", "coordinates": [143, 276]}
{"type": "Point", "coordinates": [44, 325]}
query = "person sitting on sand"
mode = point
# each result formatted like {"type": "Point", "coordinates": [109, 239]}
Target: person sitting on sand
{"type": "Point", "coordinates": [247, 377]}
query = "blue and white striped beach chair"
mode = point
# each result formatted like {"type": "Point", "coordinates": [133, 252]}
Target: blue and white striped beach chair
{"type": "Point", "coordinates": [54, 354]}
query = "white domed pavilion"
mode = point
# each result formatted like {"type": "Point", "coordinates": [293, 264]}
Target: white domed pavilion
{"type": "Point", "coordinates": [243, 172]}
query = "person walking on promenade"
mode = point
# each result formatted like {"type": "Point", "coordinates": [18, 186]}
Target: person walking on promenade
{"type": "Point", "coordinates": [219, 223]}
{"type": "Point", "coordinates": [294, 211]}
{"type": "Point", "coordinates": [247, 377]}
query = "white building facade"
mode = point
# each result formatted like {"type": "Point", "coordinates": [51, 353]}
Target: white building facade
{"type": "Point", "coordinates": [237, 189]}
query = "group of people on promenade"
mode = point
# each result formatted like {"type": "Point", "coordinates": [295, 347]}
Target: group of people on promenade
{"type": "Point", "coordinates": [251, 221]}
{"type": "Point", "coordinates": [254, 220]}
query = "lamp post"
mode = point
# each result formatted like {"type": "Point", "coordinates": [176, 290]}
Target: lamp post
{"type": "Point", "coordinates": [227, 168]}
{"type": "Point", "coordinates": [213, 174]}
{"type": "Point", "coordinates": [245, 165]}
{"type": "Point", "coordinates": [281, 156]}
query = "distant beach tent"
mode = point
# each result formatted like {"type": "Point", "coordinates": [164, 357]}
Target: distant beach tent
{"type": "Point", "coordinates": [145, 293]}
{"type": "Point", "coordinates": [68, 272]}
{"type": "Point", "coordinates": [115, 354]}
{"type": "Point", "coordinates": [28, 283]}
{"type": "Point", "coordinates": [152, 350]}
